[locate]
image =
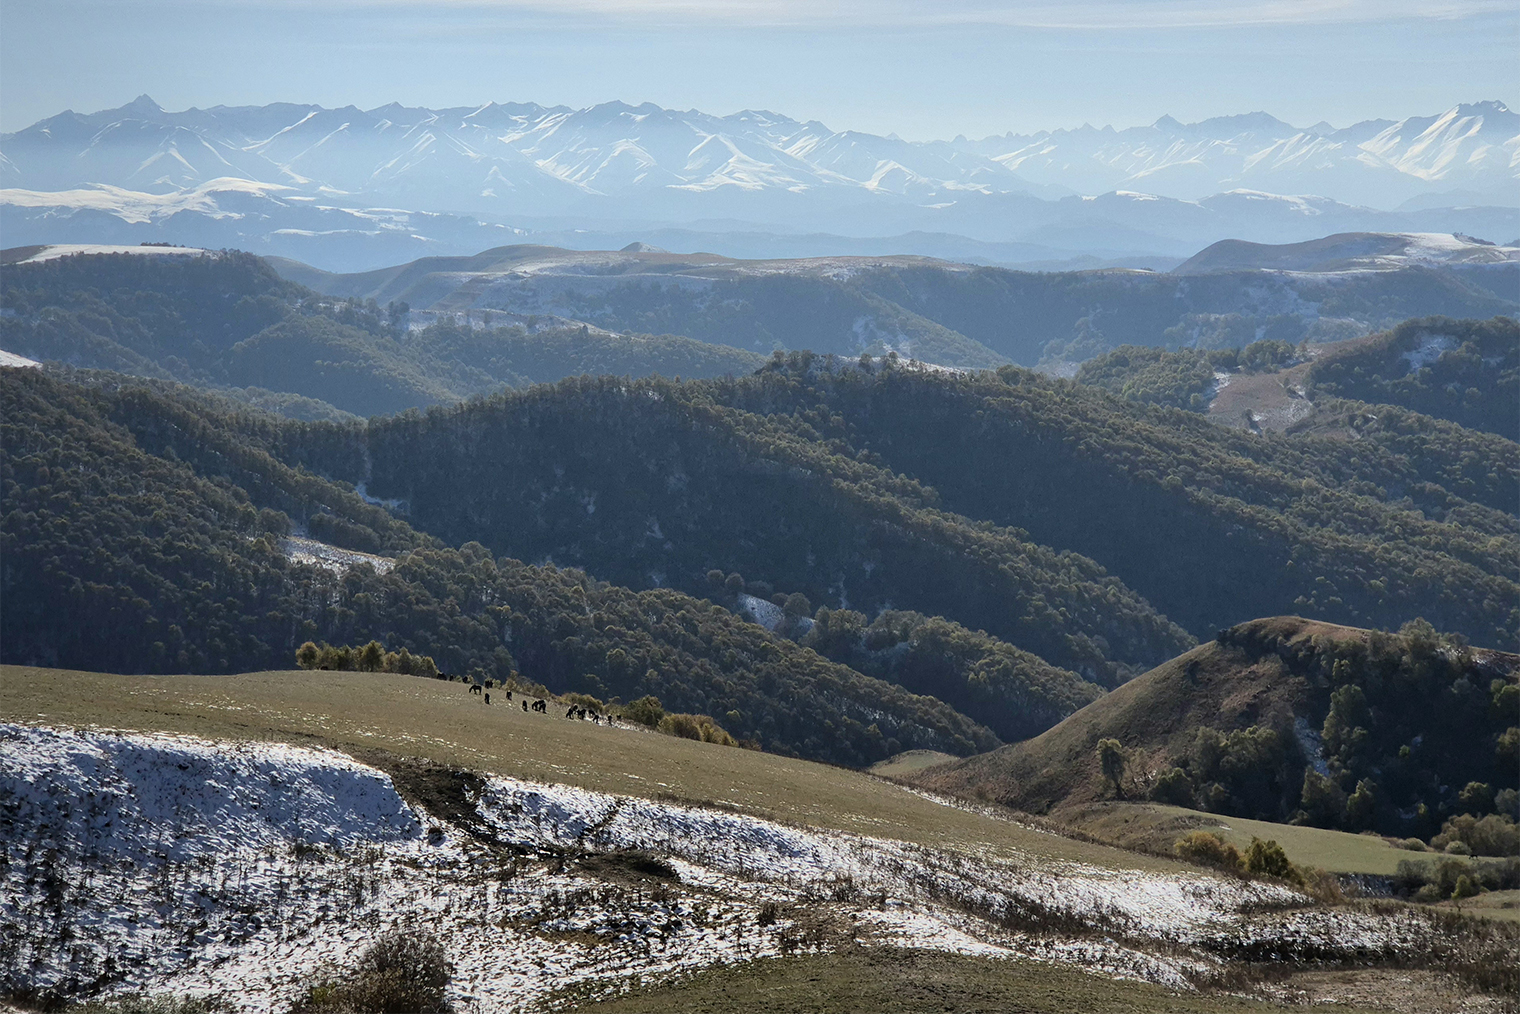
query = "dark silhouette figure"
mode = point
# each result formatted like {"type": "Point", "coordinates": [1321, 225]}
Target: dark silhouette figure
{"type": "Point", "coordinates": [525, 704]}
{"type": "Point", "coordinates": [488, 697]}
{"type": "Point", "coordinates": [475, 688]}
{"type": "Point", "coordinates": [541, 707]}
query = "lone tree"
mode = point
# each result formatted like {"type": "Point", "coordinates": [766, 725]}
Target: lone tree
{"type": "Point", "coordinates": [1111, 758]}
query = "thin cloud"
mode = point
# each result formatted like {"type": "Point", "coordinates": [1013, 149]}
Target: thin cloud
{"type": "Point", "coordinates": [907, 14]}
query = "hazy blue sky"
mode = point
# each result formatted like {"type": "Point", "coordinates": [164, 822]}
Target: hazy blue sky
{"type": "Point", "coordinates": [931, 69]}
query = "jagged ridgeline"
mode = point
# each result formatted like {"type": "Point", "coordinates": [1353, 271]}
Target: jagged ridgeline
{"type": "Point", "coordinates": [226, 320]}
{"type": "Point", "coordinates": [146, 533]}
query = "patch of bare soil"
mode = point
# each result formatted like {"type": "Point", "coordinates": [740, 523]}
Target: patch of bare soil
{"type": "Point", "coordinates": [1263, 402]}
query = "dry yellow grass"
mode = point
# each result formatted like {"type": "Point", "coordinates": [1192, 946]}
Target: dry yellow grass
{"type": "Point", "coordinates": [1153, 825]}
{"type": "Point", "coordinates": [358, 712]}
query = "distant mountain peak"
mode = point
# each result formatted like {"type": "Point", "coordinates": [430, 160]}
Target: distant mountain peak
{"type": "Point", "coordinates": [143, 105]}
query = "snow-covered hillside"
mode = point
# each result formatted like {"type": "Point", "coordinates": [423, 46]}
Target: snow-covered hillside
{"type": "Point", "coordinates": [1471, 151]}
{"type": "Point", "coordinates": [175, 863]}
{"type": "Point", "coordinates": [1356, 251]}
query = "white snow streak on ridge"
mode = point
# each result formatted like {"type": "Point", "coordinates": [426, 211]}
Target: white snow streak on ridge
{"type": "Point", "coordinates": [13, 361]}
{"type": "Point", "coordinates": [175, 863]}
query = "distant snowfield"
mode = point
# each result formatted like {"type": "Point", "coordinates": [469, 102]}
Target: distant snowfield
{"type": "Point", "coordinates": [182, 864]}
{"type": "Point", "coordinates": [299, 549]}
{"type": "Point", "coordinates": [52, 253]}
{"type": "Point", "coordinates": [14, 361]}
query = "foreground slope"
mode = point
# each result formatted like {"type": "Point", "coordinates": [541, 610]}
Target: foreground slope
{"type": "Point", "coordinates": [1285, 718]}
{"type": "Point", "coordinates": [547, 892]}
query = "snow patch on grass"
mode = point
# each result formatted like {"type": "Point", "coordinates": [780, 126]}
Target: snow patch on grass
{"type": "Point", "coordinates": [181, 864]}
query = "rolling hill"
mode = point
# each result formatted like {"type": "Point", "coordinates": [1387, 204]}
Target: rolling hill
{"type": "Point", "coordinates": [1284, 719]}
{"type": "Point", "coordinates": [225, 320]}
{"type": "Point", "coordinates": [957, 315]}
{"type": "Point", "coordinates": [571, 854]}
{"type": "Point", "coordinates": [165, 522]}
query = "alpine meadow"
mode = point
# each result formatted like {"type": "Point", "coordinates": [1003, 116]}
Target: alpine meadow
{"type": "Point", "coordinates": [505, 557]}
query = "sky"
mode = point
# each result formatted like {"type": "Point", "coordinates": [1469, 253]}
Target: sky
{"type": "Point", "coordinates": [921, 70]}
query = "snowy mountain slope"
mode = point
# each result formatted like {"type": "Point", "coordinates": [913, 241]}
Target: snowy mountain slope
{"type": "Point", "coordinates": [1356, 251]}
{"type": "Point", "coordinates": [528, 159]}
{"type": "Point", "coordinates": [339, 234]}
{"type": "Point", "coordinates": [1378, 162]}
{"type": "Point", "coordinates": [203, 867]}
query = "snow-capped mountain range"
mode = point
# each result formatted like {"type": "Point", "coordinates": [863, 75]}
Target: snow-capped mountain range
{"type": "Point", "coordinates": [526, 157]}
{"type": "Point", "coordinates": [284, 177]}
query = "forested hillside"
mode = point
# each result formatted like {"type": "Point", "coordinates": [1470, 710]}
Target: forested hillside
{"type": "Point", "coordinates": [162, 523]}
{"type": "Point", "coordinates": [1287, 719]}
{"type": "Point", "coordinates": [1467, 371]}
{"type": "Point", "coordinates": [1038, 510]}
{"type": "Point", "coordinates": [653, 483]}
{"type": "Point", "coordinates": [779, 549]}
{"type": "Point", "coordinates": [935, 311]}
{"type": "Point", "coordinates": [1463, 371]}
{"type": "Point", "coordinates": [227, 321]}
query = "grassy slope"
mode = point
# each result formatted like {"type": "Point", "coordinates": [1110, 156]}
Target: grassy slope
{"type": "Point", "coordinates": [1164, 707]}
{"type": "Point", "coordinates": [889, 981]}
{"type": "Point", "coordinates": [1158, 826]}
{"type": "Point", "coordinates": [362, 713]}
{"type": "Point", "coordinates": [359, 712]}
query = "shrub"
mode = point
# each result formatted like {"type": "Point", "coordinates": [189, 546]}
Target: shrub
{"type": "Point", "coordinates": [1173, 786]}
{"type": "Point", "coordinates": [1493, 835]}
{"type": "Point", "coordinates": [698, 727]}
{"type": "Point", "coordinates": [1267, 859]}
{"type": "Point", "coordinates": [1476, 798]}
{"type": "Point", "coordinates": [406, 971]}
{"type": "Point", "coordinates": [1209, 849]}
{"type": "Point", "coordinates": [646, 711]}
{"type": "Point", "coordinates": [584, 701]}
{"type": "Point", "coordinates": [1111, 758]}
{"type": "Point", "coordinates": [372, 657]}
{"type": "Point", "coordinates": [1465, 887]}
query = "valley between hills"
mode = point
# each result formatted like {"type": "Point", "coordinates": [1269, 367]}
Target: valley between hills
{"type": "Point", "coordinates": [907, 633]}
